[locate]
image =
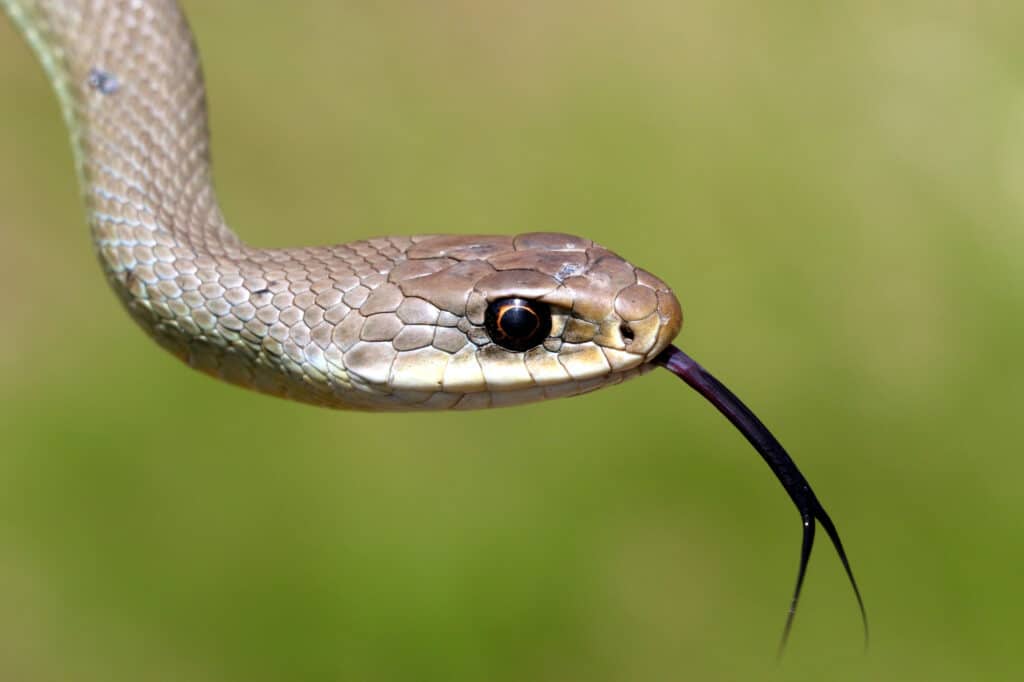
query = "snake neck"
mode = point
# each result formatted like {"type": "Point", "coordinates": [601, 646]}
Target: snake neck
{"type": "Point", "coordinates": [129, 82]}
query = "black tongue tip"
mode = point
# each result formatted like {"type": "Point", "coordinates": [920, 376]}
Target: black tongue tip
{"type": "Point", "coordinates": [781, 464]}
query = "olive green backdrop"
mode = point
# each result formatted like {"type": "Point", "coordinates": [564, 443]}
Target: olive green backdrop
{"type": "Point", "coordinates": [836, 194]}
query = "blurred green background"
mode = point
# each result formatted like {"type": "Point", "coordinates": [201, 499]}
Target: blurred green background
{"type": "Point", "coordinates": [836, 192]}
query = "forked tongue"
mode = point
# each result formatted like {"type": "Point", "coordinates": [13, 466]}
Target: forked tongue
{"type": "Point", "coordinates": [782, 465]}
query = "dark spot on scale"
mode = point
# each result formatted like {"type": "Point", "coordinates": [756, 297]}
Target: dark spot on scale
{"type": "Point", "coordinates": [133, 285]}
{"type": "Point", "coordinates": [627, 333]}
{"type": "Point", "coordinates": [261, 297]}
{"type": "Point", "coordinates": [103, 82]}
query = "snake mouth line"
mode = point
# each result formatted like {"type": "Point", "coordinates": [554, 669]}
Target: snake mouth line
{"type": "Point", "coordinates": [781, 464]}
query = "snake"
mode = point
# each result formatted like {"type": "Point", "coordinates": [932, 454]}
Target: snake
{"type": "Point", "coordinates": [425, 322]}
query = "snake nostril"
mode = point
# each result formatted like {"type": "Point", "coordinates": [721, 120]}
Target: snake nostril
{"type": "Point", "coordinates": [627, 333]}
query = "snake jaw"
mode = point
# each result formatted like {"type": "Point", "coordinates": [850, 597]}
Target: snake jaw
{"type": "Point", "coordinates": [781, 464]}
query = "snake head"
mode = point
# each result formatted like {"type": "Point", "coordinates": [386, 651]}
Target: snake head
{"type": "Point", "coordinates": [586, 319]}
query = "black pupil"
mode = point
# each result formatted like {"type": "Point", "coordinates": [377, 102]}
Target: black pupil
{"type": "Point", "coordinates": [517, 324]}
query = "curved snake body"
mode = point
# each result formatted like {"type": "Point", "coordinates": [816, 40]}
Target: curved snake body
{"type": "Point", "coordinates": [387, 323]}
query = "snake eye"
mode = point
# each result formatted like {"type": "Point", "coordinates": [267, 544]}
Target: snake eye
{"type": "Point", "coordinates": [517, 323]}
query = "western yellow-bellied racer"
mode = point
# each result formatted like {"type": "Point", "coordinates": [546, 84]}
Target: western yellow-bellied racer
{"type": "Point", "coordinates": [394, 323]}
